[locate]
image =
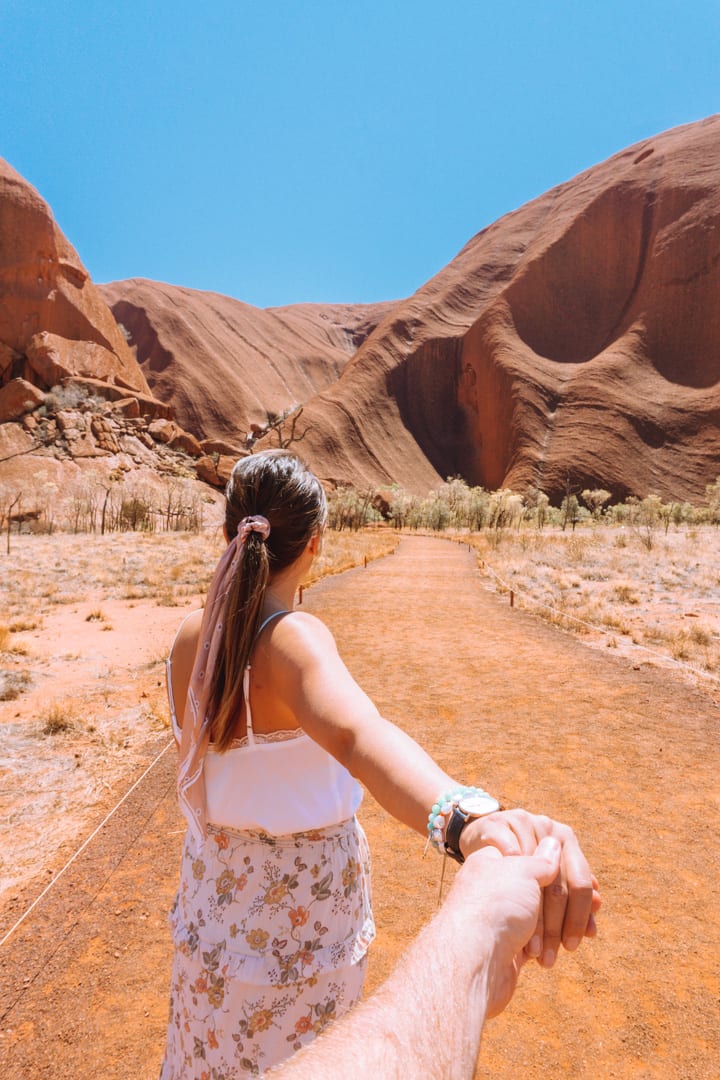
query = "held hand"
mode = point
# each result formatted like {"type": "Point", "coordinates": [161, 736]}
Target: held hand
{"type": "Point", "coordinates": [569, 901]}
{"type": "Point", "coordinates": [503, 897]}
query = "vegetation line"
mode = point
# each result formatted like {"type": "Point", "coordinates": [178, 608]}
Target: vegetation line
{"type": "Point", "coordinates": [514, 588]}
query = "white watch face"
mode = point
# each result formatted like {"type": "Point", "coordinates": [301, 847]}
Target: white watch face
{"type": "Point", "coordinates": [478, 805]}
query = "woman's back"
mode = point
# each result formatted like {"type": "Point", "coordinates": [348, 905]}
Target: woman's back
{"type": "Point", "coordinates": [274, 777]}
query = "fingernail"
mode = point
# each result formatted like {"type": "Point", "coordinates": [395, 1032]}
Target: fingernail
{"type": "Point", "coordinates": [534, 946]}
{"type": "Point", "coordinates": [548, 958]}
{"type": "Point", "coordinates": [572, 943]}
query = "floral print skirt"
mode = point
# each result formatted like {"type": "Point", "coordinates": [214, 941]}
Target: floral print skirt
{"type": "Point", "coordinates": [270, 935]}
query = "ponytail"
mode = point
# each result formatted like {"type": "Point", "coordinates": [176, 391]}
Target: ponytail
{"type": "Point", "coordinates": [275, 505]}
{"type": "Point", "coordinates": [241, 623]}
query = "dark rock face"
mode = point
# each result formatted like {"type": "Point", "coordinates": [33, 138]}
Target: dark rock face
{"type": "Point", "coordinates": [576, 340]}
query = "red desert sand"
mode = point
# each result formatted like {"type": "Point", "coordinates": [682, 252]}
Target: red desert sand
{"type": "Point", "coordinates": [616, 745]}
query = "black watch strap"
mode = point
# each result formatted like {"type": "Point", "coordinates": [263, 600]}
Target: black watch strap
{"type": "Point", "coordinates": [455, 826]}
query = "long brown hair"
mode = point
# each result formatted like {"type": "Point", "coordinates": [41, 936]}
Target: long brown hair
{"type": "Point", "coordinates": [278, 486]}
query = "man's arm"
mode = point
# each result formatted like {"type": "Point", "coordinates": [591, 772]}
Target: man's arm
{"type": "Point", "coordinates": [427, 1019]}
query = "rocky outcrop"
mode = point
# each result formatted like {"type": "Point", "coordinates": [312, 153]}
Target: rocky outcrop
{"type": "Point", "coordinates": [224, 365]}
{"type": "Point", "coordinates": [58, 334]}
{"type": "Point", "coordinates": [53, 321]}
{"type": "Point", "coordinates": [68, 427]}
{"type": "Point", "coordinates": [574, 342]}
{"type": "Point", "coordinates": [72, 426]}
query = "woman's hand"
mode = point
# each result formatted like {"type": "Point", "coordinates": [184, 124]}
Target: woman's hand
{"type": "Point", "coordinates": [569, 901]}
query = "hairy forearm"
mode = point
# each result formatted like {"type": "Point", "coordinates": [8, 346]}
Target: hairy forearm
{"type": "Point", "coordinates": [426, 1020]}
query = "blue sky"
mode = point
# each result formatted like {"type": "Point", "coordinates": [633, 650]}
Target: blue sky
{"type": "Point", "coordinates": [327, 151]}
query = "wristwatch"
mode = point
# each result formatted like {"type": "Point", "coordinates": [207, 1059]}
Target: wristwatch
{"type": "Point", "coordinates": [468, 809]}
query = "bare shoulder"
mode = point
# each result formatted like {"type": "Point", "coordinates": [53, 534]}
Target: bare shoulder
{"type": "Point", "coordinates": [301, 637]}
{"type": "Point", "coordinates": [184, 646]}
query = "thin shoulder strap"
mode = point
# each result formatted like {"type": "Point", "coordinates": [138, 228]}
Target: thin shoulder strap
{"type": "Point", "coordinates": [263, 624]}
{"type": "Point", "coordinates": [246, 678]}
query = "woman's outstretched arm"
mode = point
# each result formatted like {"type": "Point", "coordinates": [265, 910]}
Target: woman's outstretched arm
{"type": "Point", "coordinates": [335, 711]}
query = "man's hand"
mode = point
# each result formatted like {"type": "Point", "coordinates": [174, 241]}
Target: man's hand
{"type": "Point", "coordinates": [503, 898]}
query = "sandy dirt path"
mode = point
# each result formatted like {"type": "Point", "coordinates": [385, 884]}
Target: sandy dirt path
{"type": "Point", "coordinates": [626, 754]}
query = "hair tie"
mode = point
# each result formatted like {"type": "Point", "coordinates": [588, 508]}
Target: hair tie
{"type": "Point", "coordinates": [255, 524]}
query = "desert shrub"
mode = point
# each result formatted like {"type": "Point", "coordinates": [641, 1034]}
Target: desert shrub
{"type": "Point", "coordinates": [625, 594]}
{"type": "Point", "coordinates": [576, 548]}
{"type": "Point", "coordinates": [351, 509]}
{"type": "Point", "coordinates": [699, 635]}
{"type": "Point", "coordinates": [595, 499]}
{"type": "Point", "coordinates": [537, 507]}
{"type": "Point", "coordinates": [13, 684]}
{"type": "Point", "coordinates": [571, 512]}
{"type": "Point", "coordinates": [71, 396]}
{"type": "Point", "coordinates": [57, 720]}
{"type": "Point", "coordinates": [399, 506]}
{"type": "Point", "coordinates": [712, 493]}
{"type": "Point", "coordinates": [17, 626]}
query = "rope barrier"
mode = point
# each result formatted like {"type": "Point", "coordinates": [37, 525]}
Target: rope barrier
{"type": "Point", "coordinates": [93, 834]}
{"type": "Point", "coordinates": [514, 591]}
{"type": "Point", "coordinates": [82, 847]}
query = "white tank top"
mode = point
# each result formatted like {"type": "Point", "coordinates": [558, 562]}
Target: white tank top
{"type": "Point", "coordinates": [279, 783]}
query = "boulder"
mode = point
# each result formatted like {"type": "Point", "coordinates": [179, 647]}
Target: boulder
{"type": "Point", "coordinates": [52, 358]}
{"type": "Point", "coordinates": [8, 357]}
{"type": "Point", "coordinates": [112, 392]}
{"type": "Point", "coordinates": [163, 431]}
{"type": "Point", "coordinates": [186, 444]}
{"type": "Point", "coordinates": [17, 398]}
{"type": "Point", "coordinates": [215, 469]}
{"type": "Point", "coordinates": [104, 433]}
{"type": "Point", "coordinates": [127, 406]}
{"type": "Point", "coordinates": [219, 446]}
{"type": "Point", "coordinates": [14, 442]}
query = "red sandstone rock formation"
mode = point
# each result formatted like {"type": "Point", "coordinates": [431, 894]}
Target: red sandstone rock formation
{"type": "Point", "coordinates": [53, 321]}
{"type": "Point", "coordinates": [224, 365]}
{"type": "Point", "coordinates": [575, 341]}
{"type": "Point", "coordinates": [55, 328]}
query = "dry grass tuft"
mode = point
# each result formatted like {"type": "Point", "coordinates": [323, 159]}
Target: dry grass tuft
{"type": "Point", "coordinates": [19, 626]}
{"type": "Point", "coordinates": [58, 719]}
{"type": "Point", "coordinates": [13, 684]}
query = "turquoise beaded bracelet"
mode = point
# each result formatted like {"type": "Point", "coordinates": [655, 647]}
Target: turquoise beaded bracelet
{"type": "Point", "coordinates": [440, 813]}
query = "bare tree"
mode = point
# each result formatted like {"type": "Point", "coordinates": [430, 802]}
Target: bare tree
{"type": "Point", "coordinates": [12, 497]}
{"type": "Point", "coordinates": [281, 427]}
